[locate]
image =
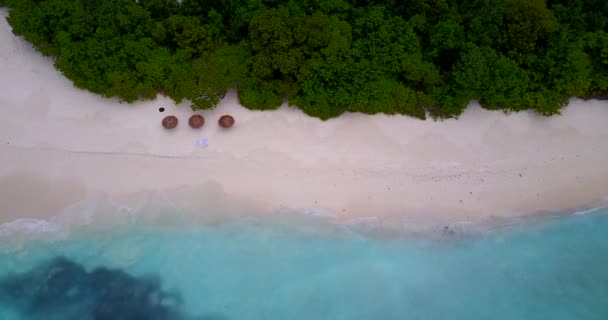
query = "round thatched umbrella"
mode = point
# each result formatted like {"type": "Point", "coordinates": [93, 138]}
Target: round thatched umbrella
{"type": "Point", "coordinates": [196, 121]}
{"type": "Point", "coordinates": [226, 121]}
{"type": "Point", "coordinates": [170, 122]}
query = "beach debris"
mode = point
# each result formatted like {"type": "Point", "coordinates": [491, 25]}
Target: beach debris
{"type": "Point", "coordinates": [196, 121]}
{"type": "Point", "coordinates": [448, 231]}
{"type": "Point", "coordinates": [170, 122]}
{"type": "Point", "coordinates": [226, 121]}
{"type": "Point", "coordinates": [202, 143]}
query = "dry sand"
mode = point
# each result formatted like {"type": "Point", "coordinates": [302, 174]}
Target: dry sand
{"type": "Point", "coordinates": [60, 145]}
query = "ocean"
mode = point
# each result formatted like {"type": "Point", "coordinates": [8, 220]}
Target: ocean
{"type": "Point", "coordinates": [551, 267]}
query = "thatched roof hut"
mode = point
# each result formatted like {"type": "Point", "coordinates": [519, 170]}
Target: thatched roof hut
{"type": "Point", "coordinates": [226, 121]}
{"type": "Point", "coordinates": [170, 122]}
{"type": "Point", "coordinates": [196, 121]}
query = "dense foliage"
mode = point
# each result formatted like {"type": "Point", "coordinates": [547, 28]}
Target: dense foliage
{"type": "Point", "coordinates": [328, 56]}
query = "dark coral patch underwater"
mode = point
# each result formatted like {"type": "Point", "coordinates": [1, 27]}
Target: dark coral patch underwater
{"type": "Point", "coordinates": [63, 289]}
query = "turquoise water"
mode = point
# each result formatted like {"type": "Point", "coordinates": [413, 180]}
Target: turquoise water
{"type": "Point", "coordinates": [554, 268]}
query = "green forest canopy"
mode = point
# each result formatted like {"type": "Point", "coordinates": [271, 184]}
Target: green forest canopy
{"type": "Point", "coordinates": [328, 56]}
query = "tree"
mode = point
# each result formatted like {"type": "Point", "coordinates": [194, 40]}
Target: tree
{"type": "Point", "coordinates": [492, 78]}
{"type": "Point", "coordinates": [430, 8]}
{"type": "Point", "coordinates": [447, 40]}
{"type": "Point", "coordinates": [527, 22]}
{"type": "Point", "coordinates": [189, 33]}
{"type": "Point", "coordinates": [597, 49]}
{"type": "Point", "coordinates": [328, 56]}
{"type": "Point", "coordinates": [215, 73]}
{"type": "Point", "coordinates": [160, 9]}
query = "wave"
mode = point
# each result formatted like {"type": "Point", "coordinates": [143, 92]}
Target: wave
{"type": "Point", "coordinates": [589, 211]}
{"type": "Point", "coordinates": [204, 206]}
{"type": "Point", "coordinates": [27, 226]}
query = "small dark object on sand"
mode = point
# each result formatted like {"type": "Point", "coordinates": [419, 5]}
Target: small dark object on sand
{"type": "Point", "coordinates": [196, 121]}
{"type": "Point", "coordinates": [170, 122]}
{"type": "Point", "coordinates": [226, 121]}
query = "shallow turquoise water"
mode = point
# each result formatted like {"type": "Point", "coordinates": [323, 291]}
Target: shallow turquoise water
{"type": "Point", "coordinates": [554, 268]}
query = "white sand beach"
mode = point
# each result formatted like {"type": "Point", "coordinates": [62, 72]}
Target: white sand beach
{"type": "Point", "coordinates": [60, 145]}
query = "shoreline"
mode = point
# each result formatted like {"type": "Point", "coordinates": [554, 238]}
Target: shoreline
{"type": "Point", "coordinates": [60, 144]}
{"type": "Point", "coordinates": [156, 212]}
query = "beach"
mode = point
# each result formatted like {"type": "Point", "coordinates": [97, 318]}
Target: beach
{"type": "Point", "coordinates": [60, 145]}
{"type": "Point", "coordinates": [109, 211]}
